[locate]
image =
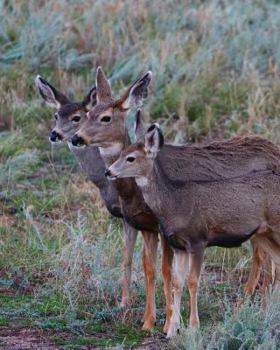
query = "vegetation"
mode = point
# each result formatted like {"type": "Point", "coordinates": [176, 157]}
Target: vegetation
{"type": "Point", "coordinates": [216, 74]}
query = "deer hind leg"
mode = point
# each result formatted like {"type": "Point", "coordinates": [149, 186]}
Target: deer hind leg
{"type": "Point", "coordinates": [196, 260]}
{"type": "Point", "coordinates": [130, 235]}
{"type": "Point", "coordinates": [272, 249]}
{"type": "Point", "coordinates": [149, 264]}
{"type": "Point", "coordinates": [269, 274]}
{"type": "Point", "coordinates": [166, 269]}
{"type": "Point", "coordinates": [258, 258]}
{"type": "Point", "coordinates": [180, 270]}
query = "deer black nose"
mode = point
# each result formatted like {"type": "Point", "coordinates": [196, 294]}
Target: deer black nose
{"type": "Point", "coordinates": [77, 141]}
{"type": "Point", "coordinates": [54, 136]}
{"type": "Point", "coordinates": [107, 172]}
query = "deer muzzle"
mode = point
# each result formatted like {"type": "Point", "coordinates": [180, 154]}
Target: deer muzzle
{"type": "Point", "coordinates": [109, 175]}
{"type": "Point", "coordinates": [55, 136]}
{"type": "Point", "coordinates": [78, 141]}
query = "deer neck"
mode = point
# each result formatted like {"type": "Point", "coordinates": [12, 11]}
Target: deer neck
{"type": "Point", "coordinates": [155, 188]}
{"type": "Point", "coordinates": [148, 186]}
{"type": "Point", "coordinates": [91, 163]}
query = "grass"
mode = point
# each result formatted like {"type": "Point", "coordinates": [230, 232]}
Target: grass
{"type": "Point", "coordinates": [251, 328]}
{"type": "Point", "coordinates": [124, 336]}
{"type": "Point", "coordinates": [216, 74]}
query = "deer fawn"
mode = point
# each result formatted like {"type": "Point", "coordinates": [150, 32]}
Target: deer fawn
{"type": "Point", "coordinates": [68, 118]}
{"type": "Point", "coordinates": [101, 129]}
{"type": "Point", "coordinates": [221, 194]}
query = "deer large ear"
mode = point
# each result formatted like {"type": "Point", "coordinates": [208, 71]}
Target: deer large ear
{"type": "Point", "coordinates": [103, 88]}
{"type": "Point", "coordinates": [153, 140]}
{"type": "Point", "coordinates": [134, 96]}
{"type": "Point", "coordinates": [52, 97]}
{"type": "Point", "coordinates": [139, 127]}
{"type": "Point", "coordinates": [90, 100]}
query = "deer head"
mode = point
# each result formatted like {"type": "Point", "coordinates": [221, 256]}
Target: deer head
{"type": "Point", "coordinates": [105, 126]}
{"type": "Point", "coordinates": [137, 160]}
{"type": "Point", "coordinates": [69, 116]}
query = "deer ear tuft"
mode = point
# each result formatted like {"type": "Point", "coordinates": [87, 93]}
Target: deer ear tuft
{"type": "Point", "coordinates": [133, 97]}
{"type": "Point", "coordinates": [103, 88]}
{"type": "Point", "coordinates": [154, 140]}
{"type": "Point", "coordinates": [139, 127]}
{"type": "Point", "coordinates": [90, 100]}
{"type": "Point", "coordinates": [50, 95]}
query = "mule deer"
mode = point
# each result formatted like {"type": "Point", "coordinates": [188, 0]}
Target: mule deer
{"type": "Point", "coordinates": [68, 118]}
{"type": "Point", "coordinates": [100, 129]}
{"type": "Point", "coordinates": [202, 197]}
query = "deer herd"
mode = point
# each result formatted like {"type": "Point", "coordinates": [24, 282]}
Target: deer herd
{"type": "Point", "coordinates": [191, 197]}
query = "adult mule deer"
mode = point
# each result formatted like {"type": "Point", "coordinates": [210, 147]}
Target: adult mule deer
{"type": "Point", "coordinates": [69, 116]}
{"type": "Point", "coordinates": [102, 130]}
{"type": "Point", "coordinates": [202, 197]}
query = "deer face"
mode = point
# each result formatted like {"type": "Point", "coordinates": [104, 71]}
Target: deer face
{"type": "Point", "coordinates": [69, 116]}
{"type": "Point", "coordinates": [105, 126]}
{"type": "Point", "coordinates": [138, 160]}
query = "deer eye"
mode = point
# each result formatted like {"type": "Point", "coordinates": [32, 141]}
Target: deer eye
{"type": "Point", "coordinates": [105, 119]}
{"type": "Point", "coordinates": [130, 159]}
{"type": "Point", "coordinates": [76, 119]}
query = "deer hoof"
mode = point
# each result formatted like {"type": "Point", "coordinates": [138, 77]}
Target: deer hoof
{"type": "Point", "coordinates": [149, 324]}
{"type": "Point", "coordinates": [172, 330]}
{"type": "Point", "coordinates": [124, 304]}
{"type": "Point", "coordinates": [166, 326]}
{"type": "Point", "coordinates": [194, 324]}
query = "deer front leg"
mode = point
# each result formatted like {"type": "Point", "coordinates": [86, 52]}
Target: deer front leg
{"type": "Point", "coordinates": [196, 260]}
{"type": "Point", "coordinates": [149, 264]}
{"type": "Point", "coordinates": [180, 270]}
{"type": "Point", "coordinates": [166, 270]}
{"type": "Point", "coordinates": [130, 235]}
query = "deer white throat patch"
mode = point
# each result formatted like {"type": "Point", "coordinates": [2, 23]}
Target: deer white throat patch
{"type": "Point", "coordinates": [141, 181]}
{"type": "Point", "coordinates": [112, 150]}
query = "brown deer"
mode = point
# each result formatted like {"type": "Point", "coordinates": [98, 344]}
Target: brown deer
{"type": "Point", "coordinates": [202, 197]}
{"type": "Point", "coordinates": [68, 118]}
{"type": "Point", "coordinates": [101, 130]}
{"type": "Point", "coordinates": [106, 128]}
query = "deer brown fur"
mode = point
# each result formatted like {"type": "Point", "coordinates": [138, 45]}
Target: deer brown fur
{"type": "Point", "coordinates": [68, 118]}
{"type": "Point", "coordinates": [220, 194]}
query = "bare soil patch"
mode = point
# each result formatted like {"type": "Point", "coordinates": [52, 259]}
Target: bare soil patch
{"type": "Point", "coordinates": [25, 339]}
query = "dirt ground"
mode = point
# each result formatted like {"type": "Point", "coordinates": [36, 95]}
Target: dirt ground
{"type": "Point", "coordinates": [26, 339]}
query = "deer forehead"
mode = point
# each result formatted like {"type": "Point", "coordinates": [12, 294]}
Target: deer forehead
{"type": "Point", "coordinates": [136, 154]}
{"type": "Point", "coordinates": [101, 109]}
{"type": "Point", "coordinates": [70, 109]}
{"type": "Point", "coordinates": [136, 150]}
{"type": "Point", "coordinates": [108, 112]}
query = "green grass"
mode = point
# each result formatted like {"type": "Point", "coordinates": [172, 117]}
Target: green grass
{"type": "Point", "coordinates": [123, 335]}
{"type": "Point", "coordinates": [252, 328]}
{"type": "Point", "coordinates": [4, 323]}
